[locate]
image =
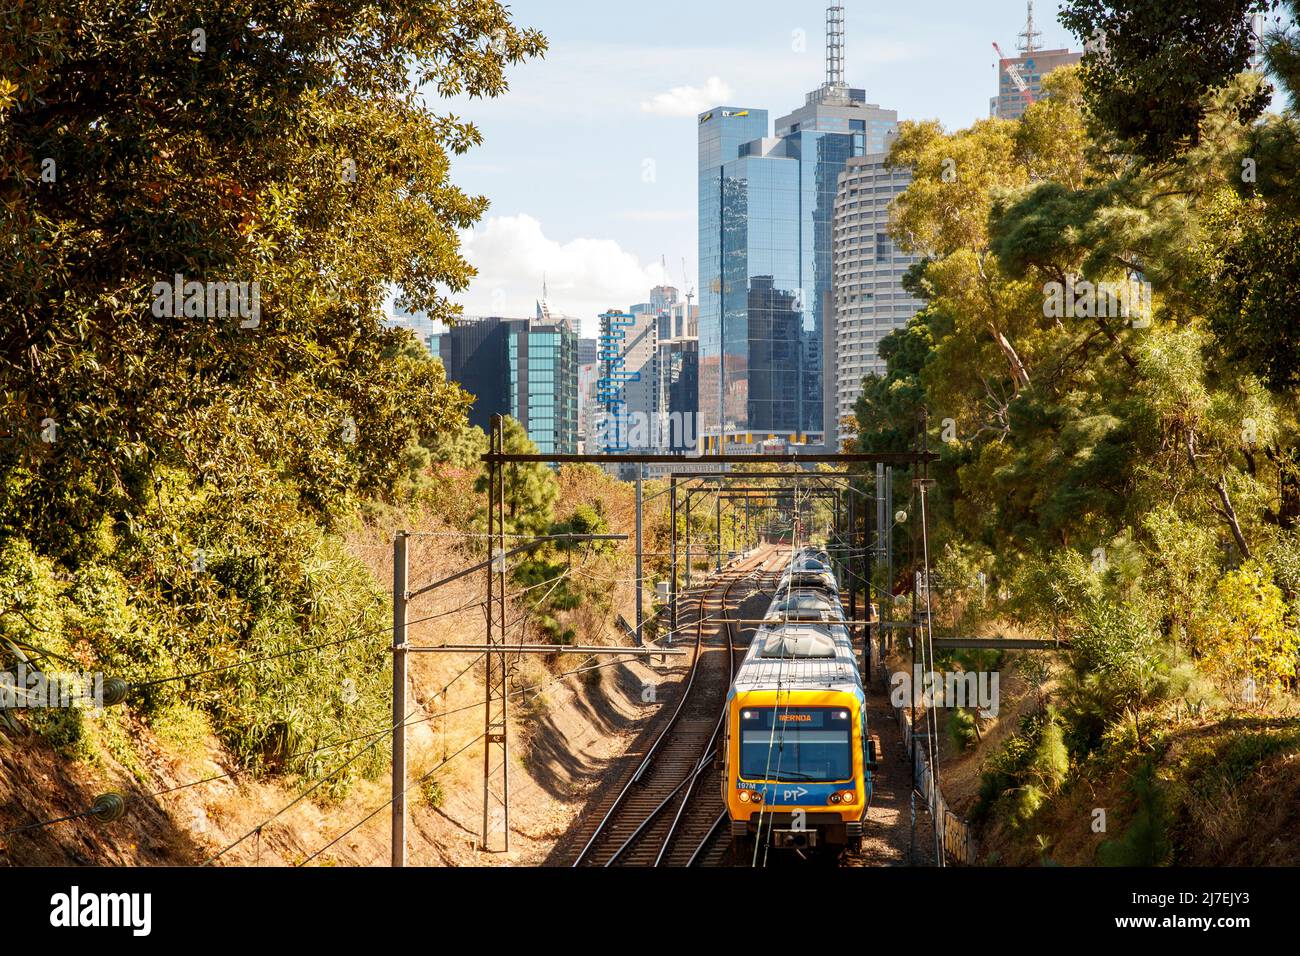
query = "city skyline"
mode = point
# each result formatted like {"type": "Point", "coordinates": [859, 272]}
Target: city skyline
{"type": "Point", "coordinates": [600, 222]}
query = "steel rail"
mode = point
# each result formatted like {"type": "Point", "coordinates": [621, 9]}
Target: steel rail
{"type": "Point", "coordinates": [709, 748]}
{"type": "Point", "coordinates": [663, 735]}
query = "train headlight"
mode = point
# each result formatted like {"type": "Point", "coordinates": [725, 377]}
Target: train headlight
{"type": "Point", "coordinates": [834, 798]}
{"type": "Point", "coordinates": [743, 796]}
{"type": "Point", "coordinates": [848, 796]}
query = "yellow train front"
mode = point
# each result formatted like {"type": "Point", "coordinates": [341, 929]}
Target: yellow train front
{"type": "Point", "coordinates": [797, 754]}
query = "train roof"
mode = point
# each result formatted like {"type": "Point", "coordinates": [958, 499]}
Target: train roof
{"type": "Point", "coordinates": [800, 656]}
{"type": "Point", "coordinates": [805, 604]}
{"type": "Point", "coordinates": [794, 580]}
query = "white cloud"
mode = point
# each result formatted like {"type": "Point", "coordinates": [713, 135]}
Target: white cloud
{"type": "Point", "coordinates": [689, 100]}
{"type": "Point", "coordinates": [658, 215]}
{"type": "Point", "coordinates": [584, 276]}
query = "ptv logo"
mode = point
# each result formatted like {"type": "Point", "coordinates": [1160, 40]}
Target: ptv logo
{"type": "Point", "coordinates": [76, 909]}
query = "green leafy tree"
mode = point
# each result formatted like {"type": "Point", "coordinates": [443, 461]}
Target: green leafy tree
{"type": "Point", "coordinates": [286, 146]}
{"type": "Point", "coordinates": [1247, 633]}
{"type": "Point", "coordinates": [1160, 62]}
{"type": "Point", "coordinates": [179, 470]}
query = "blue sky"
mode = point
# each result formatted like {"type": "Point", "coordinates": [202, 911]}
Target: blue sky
{"type": "Point", "coordinates": [590, 159]}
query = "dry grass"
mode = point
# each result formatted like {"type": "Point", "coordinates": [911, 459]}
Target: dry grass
{"type": "Point", "coordinates": [563, 736]}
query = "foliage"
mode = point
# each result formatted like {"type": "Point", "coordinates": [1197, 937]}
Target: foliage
{"type": "Point", "coordinates": [961, 728]}
{"type": "Point", "coordinates": [1146, 841]}
{"type": "Point", "coordinates": [1248, 633]}
{"type": "Point", "coordinates": [170, 484]}
{"type": "Point", "coordinates": [1018, 776]}
{"type": "Point", "coordinates": [530, 488]}
{"type": "Point", "coordinates": [1159, 63]}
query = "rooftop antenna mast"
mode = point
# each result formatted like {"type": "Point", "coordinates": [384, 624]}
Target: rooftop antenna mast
{"type": "Point", "coordinates": [1031, 38]}
{"type": "Point", "coordinates": [835, 85]}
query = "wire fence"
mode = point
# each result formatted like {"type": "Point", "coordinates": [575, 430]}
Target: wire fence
{"type": "Point", "coordinates": [958, 839]}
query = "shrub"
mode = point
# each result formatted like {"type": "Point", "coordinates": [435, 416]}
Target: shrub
{"type": "Point", "coordinates": [1146, 841]}
{"type": "Point", "coordinates": [961, 729]}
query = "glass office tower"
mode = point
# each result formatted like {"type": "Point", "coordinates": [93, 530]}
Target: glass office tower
{"type": "Point", "coordinates": [543, 385]}
{"type": "Point", "coordinates": [767, 208]}
{"type": "Point", "coordinates": [523, 368]}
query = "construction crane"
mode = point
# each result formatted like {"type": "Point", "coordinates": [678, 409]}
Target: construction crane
{"type": "Point", "coordinates": [1013, 72]}
{"type": "Point", "coordinates": [690, 289]}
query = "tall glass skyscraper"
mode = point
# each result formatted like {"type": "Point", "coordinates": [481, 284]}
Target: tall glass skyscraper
{"type": "Point", "coordinates": [766, 217]}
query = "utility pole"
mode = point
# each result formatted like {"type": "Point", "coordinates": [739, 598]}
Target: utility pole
{"type": "Point", "coordinates": [848, 539]}
{"type": "Point", "coordinates": [400, 568]}
{"type": "Point", "coordinates": [889, 530]}
{"type": "Point", "coordinates": [688, 539]}
{"type": "Point", "coordinates": [672, 575]}
{"type": "Point", "coordinates": [717, 527]}
{"type": "Point", "coordinates": [879, 549]}
{"type": "Point", "coordinates": [640, 571]}
{"type": "Point", "coordinates": [496, 685]}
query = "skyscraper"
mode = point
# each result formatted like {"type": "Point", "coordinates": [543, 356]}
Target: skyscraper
{"type": "Point", "coordinates": [766, 211]}
{"type": "Point", "coordinates": [518, 367]}
{"type": "Point", "coordinates": [870, 301]}
{"type": "Point", "coordinates": [1020, 78]}
{"type": "Point", "coordinates": [677, 394]}
{"type": "Point", "coordinates": [625, 390]}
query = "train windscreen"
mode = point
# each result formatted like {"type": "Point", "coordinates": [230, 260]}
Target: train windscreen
{"type": "Point", "coordinates": [796, 743]}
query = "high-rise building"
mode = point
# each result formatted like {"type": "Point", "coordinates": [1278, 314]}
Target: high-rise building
{"type": "Point", "coordinates": [543, 385]}
{"type": "Point", "coordinates": [677, 395]}
{"type": "Point", "coordinates": [518, 367]}
{"type": "Point", "coordinates": [627, 354]}
{"type": "Point", "coordinates": [870, 301]}
{"type": "Point", "coordinates": [588, 372]}
{"type": "Point", "coordinates": [1020, 78]}
{"type": "Point", "coordinates": [589, 412]}
{"type": "Point", "coordinates": [766, 210]}
{"type": "Point", "coordinates": [662, 298]}
{"type": "Point", "coordinates": [417, 322]}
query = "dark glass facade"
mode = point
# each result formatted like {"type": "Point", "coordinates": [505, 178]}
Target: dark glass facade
{"type": "Point", "coordinates": [767, 211]}
{"type": "Point", "coordinates": [518, 368]}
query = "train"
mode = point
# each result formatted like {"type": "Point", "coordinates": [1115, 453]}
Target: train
{"type": "Point", "coordinates": [797, 755]}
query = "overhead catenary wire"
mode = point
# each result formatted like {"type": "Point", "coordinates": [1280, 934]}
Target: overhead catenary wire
{"type": "Point", "coordinates": [42, 824]}
{"type": "Point", "coordinates": [295, 651]}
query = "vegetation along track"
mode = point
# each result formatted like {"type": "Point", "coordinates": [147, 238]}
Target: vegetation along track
{"type": "Point", "coordinates": [667, 811]}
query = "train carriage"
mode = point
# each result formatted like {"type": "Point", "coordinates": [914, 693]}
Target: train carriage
{"type": "Point", "coordinates": [797, 756]}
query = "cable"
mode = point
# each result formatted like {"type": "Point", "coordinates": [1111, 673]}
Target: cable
{"type": "Point", "coordinates": [306, 793]}
{"type": "Point", "coordinates": [295, 651]}
{"type": "Point", "coordinates": [93, 811]}
{"type": "Point", "coordinates": [387, 803]}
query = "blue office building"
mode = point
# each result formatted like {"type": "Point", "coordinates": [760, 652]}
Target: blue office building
{"type": "Point", "coordinates": [766, 219]}
{"type": "Point", "coordinates": [524, 368]}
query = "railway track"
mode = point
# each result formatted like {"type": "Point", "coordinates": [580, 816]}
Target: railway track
{"type": "Point", "coordinates": [666, 811]}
